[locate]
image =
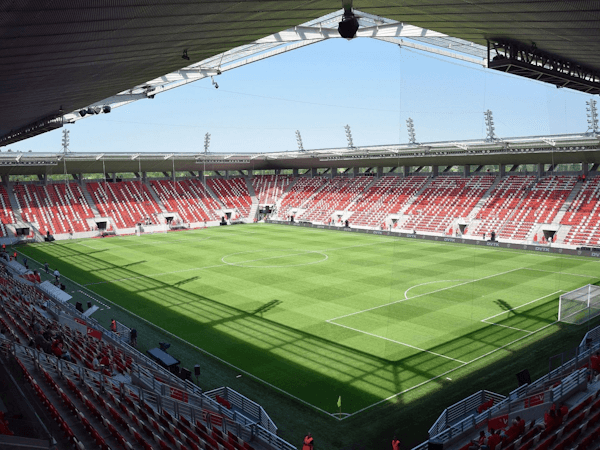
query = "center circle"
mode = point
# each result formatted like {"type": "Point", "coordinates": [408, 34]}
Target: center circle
{"type": "Point", "coordinates": [271, 258]}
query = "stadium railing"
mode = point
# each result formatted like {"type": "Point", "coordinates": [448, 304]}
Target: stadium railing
{"type": "Point", "coordinates": [576, 378]}
{"type": "Point", "coordinates": [461, 409]}
{"type": "Point", "coordinates": [247, 406]}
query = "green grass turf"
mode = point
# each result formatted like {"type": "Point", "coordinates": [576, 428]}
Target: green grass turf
{"type": "Point", "coordinates": [322, 314]}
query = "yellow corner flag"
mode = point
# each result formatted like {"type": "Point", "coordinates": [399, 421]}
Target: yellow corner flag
{"type": "Point", "coordinates": [339, 403]}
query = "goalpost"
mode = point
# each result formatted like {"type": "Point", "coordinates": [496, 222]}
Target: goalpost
{"type": "Point", "coordinates": [580, 305]}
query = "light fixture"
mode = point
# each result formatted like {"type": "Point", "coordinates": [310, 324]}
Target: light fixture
{"type": "Point", "coordinates": [349, 24]}
{"type": "Point", "coordinates": [106, 109]}
{"type": "Point", "coordinates": [214, 83]}
{"type": "Point", "coordinates": [185, 55]}
{"type": "Point", "coordinates": [82, 112]}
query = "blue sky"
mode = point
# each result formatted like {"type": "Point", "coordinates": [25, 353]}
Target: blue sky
{"type": "Point", "coordinates": [370, 85]}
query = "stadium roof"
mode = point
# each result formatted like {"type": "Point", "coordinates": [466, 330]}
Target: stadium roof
{"type": "Point", "coordinates": [59, 56]}
{"type": "Point", "coordinates": [559, 149]}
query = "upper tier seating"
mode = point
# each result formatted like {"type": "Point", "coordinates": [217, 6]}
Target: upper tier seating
{"type": "Point", "coordinates": [582, 215]}
{"type": "Point", "coordinates": [233, 193]}
{"type": "Point", "coordinates": [6, 213]}
{"type": "Point", "coordinates": [304, 188]}
{"type": "Point", "coordinates": [268, 188]}
{"type": "Point", "coordinates": [387, 196]}
{"type": "Point", "coordinates": [55, 208]}
{"type": "Point", "coordinates": [445, 199]}
{"type": "Point", "coordinates": [187, 197]}
{"type": "Point", "coordinates": [335, 195]}
{"type": "Point", "coordinates": [127, 202]}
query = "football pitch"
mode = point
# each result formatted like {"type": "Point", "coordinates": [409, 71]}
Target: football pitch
{"type": "Point", "coordinates": [320, 314]}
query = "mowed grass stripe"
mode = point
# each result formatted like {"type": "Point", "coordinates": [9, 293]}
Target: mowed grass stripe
{"type": "Point", "coordinates": [272, 321]}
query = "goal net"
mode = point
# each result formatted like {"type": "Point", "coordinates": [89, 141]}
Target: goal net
{"type": "Point", "coordinates": [580, 305]}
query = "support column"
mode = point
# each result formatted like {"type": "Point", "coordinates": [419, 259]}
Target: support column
{"type": "Point", "coordinates": [586, 168]}
{"type": "Point", "coordinates": [467, 172]}
{"type": "Point", "coordinates": [379, 172]}
{"type": "Point", "coordinates": [114, 176]}
{"type": "Point", "coordinates": [227, 174]}
{"type": "Point", "coordinates": [173, 176]}
{"type": "Point", "coordinates": [295, 172]}
{"type": "Point", "coordinates": [502, 170]}
{"type": "Point", "coordinates": [313, 172]}
{"type": "Point", "coordinates": [200, 175]}
{"type": "Point", "coordinates": [334, 172]}
{"type": "Point", "coordinates": [355, 171]}
{"type": "Point", "coordinates": [5, 180]}
{"type": "Point", "coordinates": [540, 170]}
{"type": "Point", "coordinates": [277, 171]}
{"type": "Point", "coordinates": [144, 177]}
{"type": "Point", "coordinates": [406, 171]}
{"type": "Point", "coordinates": [434, 171]}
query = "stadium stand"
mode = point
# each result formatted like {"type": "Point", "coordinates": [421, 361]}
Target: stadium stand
{"type": "Point", "coordinates": [387, 196]}
{"type": "Point", "coordinates": [6, 213]}
{"type": "Point", "coordinates": [233, 193]}
{"type": "Point", "coordinates": [269, 188]}
{"type": "Point", "coordinates": [582, 215]}
{"type": "Point", "coordinates": [55, 208]}
{"type": "Point", "coordinates": [303, 189]}
{"type": "Point", "coordinates": [126, 202]}
{"type": "Point", "coordinates": [102, 406]}
{"type": "Point", "coordinates": [515, 207]}
{"type": "Point", "coordinates": [503, 203]}
{"type": "Point", "coordinates": [187, 197]}
{"type": "Point", "coordinates": [335, 195]}
{"type": "Point", "coordinates": [446, 198]}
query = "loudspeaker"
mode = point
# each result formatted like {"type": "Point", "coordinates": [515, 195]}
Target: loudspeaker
{"type": "Point", "coordinates": [79, 306]}
{"type": "Point", "coordinates": [175, 370]}
{"type": "Point", "coordinates": [523, 377]}
{"type": "Point", "coordinates": [197, 370]}
{"type": "Point", "coordinates": [186, 374]}
{"type": "Point", "coordinates": [435, 445]}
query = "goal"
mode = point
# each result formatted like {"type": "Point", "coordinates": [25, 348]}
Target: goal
{"type": "Point", "coordinates": [580, 305]}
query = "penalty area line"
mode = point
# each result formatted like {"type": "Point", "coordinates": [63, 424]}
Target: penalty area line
{"type": "Point", "coordinates": [396, 342]}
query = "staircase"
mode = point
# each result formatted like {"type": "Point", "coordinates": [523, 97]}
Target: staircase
{"type": "Point", "coordinates": [155, 197]}
{"type": "Point", "coordinates": [413, 198]}
{"type": "Point", "coordinates": [254, 206]}
{"type": "Point", "coordinates": [14, 204]}
{"type": "Point", "coordinates": [90, 200]}
{"type": "Point", "coordinates": [567, 204]}
{"type": "Point", "coordinates": [483, 199]}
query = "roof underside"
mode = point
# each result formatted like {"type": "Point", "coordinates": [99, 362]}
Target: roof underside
{"type": "Point", "coordinates": [558, 149]}
{"type": "Point", "coordinates": [59, 55]}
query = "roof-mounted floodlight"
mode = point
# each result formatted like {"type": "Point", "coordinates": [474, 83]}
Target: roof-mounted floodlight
{"type": "Point", "coordinates": [100, 156]}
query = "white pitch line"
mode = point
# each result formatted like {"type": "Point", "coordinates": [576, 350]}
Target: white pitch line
{"type": "Point", "coordinates": [520, 306]}
{"type": "Point", "coordinates": [506, 326]}
{"type": "Point", "coordinates": [424, 284]}
{"type": "Point", "coordinates": [559, 273]}
{"type": "Point", "coordinates": [396, 342]}
{"type": "Point", "coordinates": [449, 371]}
{"type": "Point", "coordinates": [422, 295]}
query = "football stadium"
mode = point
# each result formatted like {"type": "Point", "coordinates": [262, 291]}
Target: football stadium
{"type": "Point", "coordinates": [413, 295]}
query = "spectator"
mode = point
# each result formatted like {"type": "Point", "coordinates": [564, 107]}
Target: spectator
{"type": "Point", "coordinates": [57, 276]}
{"type": "Point", "coordinates": [96, 362]}
{"type": "Point", "coordinates": [494, 439]}
{"type": "Point", "coordinates": [47, 267]}
{"type": "Point", "coordinates": [308, 443]}
{"type": "Point", "coordinates": [133, 337]}
{"type": "Point", "coordinates": [37, 328]}
{"type": "Point", "coordinates": [477, 444]}
{"type": "Point", "coordinates": [113, 325]}
{"type": "Point", "coordinates": [395, 443]}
